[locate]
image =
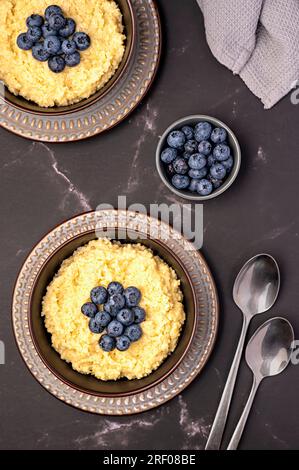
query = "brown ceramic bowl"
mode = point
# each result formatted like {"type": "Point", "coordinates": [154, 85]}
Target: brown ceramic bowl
{"type": "Point", "coordinates": [130, 29]}
{"type": "Point", "coordinates": [87, 383]}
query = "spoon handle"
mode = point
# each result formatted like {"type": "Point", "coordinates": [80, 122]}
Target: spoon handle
{"type": "Point", "coordinates": [217, 430]}
{"type": "Point", "coordinates": [241, 424]}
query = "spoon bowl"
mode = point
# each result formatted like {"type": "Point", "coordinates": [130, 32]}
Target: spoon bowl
{"type": "Point", "coordinates": [269, 350]}
{"type": "Point", "coordinates": [257, 285]}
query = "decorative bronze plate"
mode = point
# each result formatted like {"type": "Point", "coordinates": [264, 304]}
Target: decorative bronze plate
{"type": "Point", "coordinates": [109, 106]}
{"type": "Point", "coordinates": [178, 378]}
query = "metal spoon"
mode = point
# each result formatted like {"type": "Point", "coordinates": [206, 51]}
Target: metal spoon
{"type": "Point", "coordinates": [255, 291]}
{"type": "Point", "coordinates": [268, 353]}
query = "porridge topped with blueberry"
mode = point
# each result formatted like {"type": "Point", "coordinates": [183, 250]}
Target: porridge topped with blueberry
{"type": "Point", "coordinates": [57, 55]}
{"type": "Point", "coordinates": [114, 310]}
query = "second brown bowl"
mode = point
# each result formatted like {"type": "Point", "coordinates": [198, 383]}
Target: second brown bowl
{"type": "Point", "coordinates": [130, 30]}
{"type": "Point", "coordinates": [87, 383]}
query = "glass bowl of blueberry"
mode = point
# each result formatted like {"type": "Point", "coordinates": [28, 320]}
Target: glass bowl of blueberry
{"type": "Point", "coordinates": [198, 157]}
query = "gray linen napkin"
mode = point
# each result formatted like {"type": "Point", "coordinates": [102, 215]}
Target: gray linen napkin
{"type": "Point", "coordinates": [257, 39]}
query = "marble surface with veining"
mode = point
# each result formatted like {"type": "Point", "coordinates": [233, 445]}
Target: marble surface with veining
{"type": "Point", "coordinates": [41, 185]}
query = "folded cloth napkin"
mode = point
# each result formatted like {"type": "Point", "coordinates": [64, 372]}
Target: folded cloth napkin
{"type": "Point", "coordinates": [257, 39]}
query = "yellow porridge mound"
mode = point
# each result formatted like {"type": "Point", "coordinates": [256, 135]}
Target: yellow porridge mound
{"type": "Point", "coordinates": [98, 263]}
{"type": "Point", "coordinates": [33, 80]}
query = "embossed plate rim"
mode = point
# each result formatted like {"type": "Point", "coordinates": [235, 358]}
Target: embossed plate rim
{"type": "Point", "coordinates": [141, 401]}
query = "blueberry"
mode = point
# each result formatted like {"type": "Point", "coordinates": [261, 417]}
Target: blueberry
{"type": "Point", "coordinates": [107, 343]}
{"type": "Point", "coordinates": [82, 41]}
{"type": "Point", "coordinates": [198, 174]}
{"type": "Point", "coordinates": [134, 332]}
{"type": "Point", "coordinates": [118, 300]}
{"type": "Point", "coordinates": [99, 295]}
{"type": "Point", "coordinates": [60, 52]}
{"type": "Point", "coordinates": [191, 146]}
{"type": "Point", "coordinates": [202, 131]}
{"type": "Point", "coordinates": [47, 31]}
{"type": "Point", "coordinates": [115, 328]}
{"type": "Point", "coordinates": [115, 288]}
{"type": "Point", "coordinates": [197, 161]}
{"type": "Point", "coordinates": [24, 42]}
{"type": "Point", "coordinates": [56, 64]}
{"type": "Point", "coordinates": [221, 152]}
{"type": "Point", "coordinates": [103, 318]}
{"type": "Point", "coordinates": [139, 314]}
{"type": "Point", "coordinates": [72, 60]}
{"type": "Point", "coordinates": [52, 10]}
{"type": "Point", "coordinates": [180, 181]}
{"type": "Point", "coordinates": [218, 135]}
{"type": "Point", "coordinates": [188, 131]}
{"type": "Point", "coordinates": [123, 343]}
{"type": "Point", "coordinates": [89, 309]}
{"type": "Point", "coordinates": [204, 187]}
{"type": "Point", "coordinates": [69, 28]}
{"type": "Point", "coordinates": [52, 45]}
{"type": "Point", "coordinates": [168, 155]}
{"type": "Point", "coordinates": [180, 166]}
{"type": "Point", "coordinates": [39, 53]}
{"type": "Point", "coordinates": [193, 185]}
{"type": "Point", "coordinates": [176, 139]}
{"type": "Point", "coordinates": [218, 171]}
{"type": "Point", "coordinates": [211, 160]}
{"type": "Point", "coordinates": [132, 296]}
{"type": "Point", "coordinates": [170, 169]}
{"type": "Point", "coordinates": [34, 33]}
{"type": "Point", "coordinates": [115, 303]}
{"type": "Point", "coordinates": [205, 147]}
{"type": "Point", "coordinates": [216, 183]}
{"type": "Point", "coordinates": [111, 309]}
{"type": "Point", "coordinates": [95, 327]}
{"type": "Point", "coordinates": [57, 21]}
{"type": "Point", "coordinates": [68, 46]}
{"type": "Point", "coordinates": [228, 164]}
{"type": "Point", "coordinates": [34, 20]}
{"type": "Point", "coordinates": [125, 316]}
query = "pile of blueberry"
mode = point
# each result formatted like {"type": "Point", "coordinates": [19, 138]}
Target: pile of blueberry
{"type": "Point", "coordinates": [198, 158]}
{"type": "Point", "coordinates": [54, 39]}
{"type": "Point", "coordinates": [120, 316]}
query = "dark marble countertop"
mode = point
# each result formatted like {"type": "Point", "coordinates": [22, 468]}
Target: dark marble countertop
{"type": "Point", "coordinates": [42, 185]}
